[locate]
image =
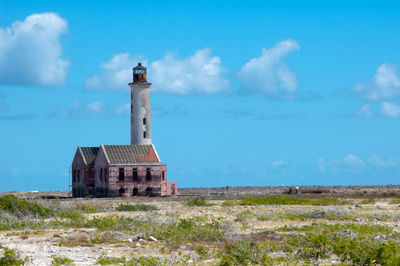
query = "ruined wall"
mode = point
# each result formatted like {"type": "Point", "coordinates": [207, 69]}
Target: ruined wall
{"type": "Point", "coordinates": [100, 183]}
{"type": "Point", "coordinates": [141, 186]}
{"type": "Point", "coordinates": [78, 181]}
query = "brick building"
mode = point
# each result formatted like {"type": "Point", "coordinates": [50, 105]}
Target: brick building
{"type": "Point", "coordinates": [124, 170]}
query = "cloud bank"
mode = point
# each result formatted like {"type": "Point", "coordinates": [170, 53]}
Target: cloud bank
{"type": "Point", "coordinates": [198, 73]}
{"type": "Point", "coordinates": [385, 85]}
{"type": "Point", "coordinates": [269, 73]}
{"type": "Point", "coordinates": [30, 51]}
{"type": "Point", "coordinates": [352, 163]}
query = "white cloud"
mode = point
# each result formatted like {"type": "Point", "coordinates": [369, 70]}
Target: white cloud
{"type": "Point", "coordinates": [379, 162]}
{"type": "Point", "coordinates": [198, 73]}
{"type": "Point", "coordinates": [96, 108]}
{"type": "Point", "coordinates": [348, 163]}
{"type": "Point", "coordinates": [30, 51]}
{"type": "Point", "coordinates": [321, 164]}
{"type": "Point", "coordinates": [385, 85]}
{"type": "Point", "coordinates": [269, 74]}
{"type": "Point", "coordinates": [353, 163]}
{"type": "Point", "coordinates": [80, 109]}
{"type": "Point", "coordinates": [390, 109]}
{"type": "Point", "coordinates": [352, 160]}
{"type": "Point", "coordinates": [123, 109]}
{"type": "Point", "coordinates": [116, 73]}
{"type": "Point", "coordinates": [278, 163]}
{"type": "Point", "coordinates": [364, 111]}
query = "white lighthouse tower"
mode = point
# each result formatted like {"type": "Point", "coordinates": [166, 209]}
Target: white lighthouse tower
{"type": "Point", "coordinates": [140, 107]}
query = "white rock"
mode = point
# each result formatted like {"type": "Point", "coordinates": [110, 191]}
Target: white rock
{"type": "Point", "coordinates": [151, 238]}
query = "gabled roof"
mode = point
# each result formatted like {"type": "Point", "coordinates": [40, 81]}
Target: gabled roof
{"type": "Point", "coordinates": [128, 154]}
{"type": "Point", "coordinates": [89, 154]}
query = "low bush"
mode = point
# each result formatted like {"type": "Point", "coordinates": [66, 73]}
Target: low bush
{"type": "Point", "coordinates": [249, 253]}
{"type": "Point", "coordinates": [20, 208]}
{"type": "Point", "coordinates": [12, 258]}
{"type": "Point", "coordinates": [198, 201]}
{"type": "Point", "coordinates": [58, 261]}
{"type": "Point", "coordinates": [136, 207]}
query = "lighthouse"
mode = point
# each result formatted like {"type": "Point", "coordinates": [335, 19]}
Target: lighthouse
{"type": "Point", "coordinates": [140, 107]}
{"type": "Point", "coordinates": [124, 170]}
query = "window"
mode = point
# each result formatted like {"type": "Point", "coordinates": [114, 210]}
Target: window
{"type": "Point", "coordinates": [144, 134]}
{"type": "Point", "coordinates": [78, 175]}
{"type": "Point", "coordinates": [73, 175]}
{"type": "Point", "coordinates": [121, 174]}
{"type": "Point", "coordinates": [135, 174]}
{"type": "Point", "coordinates": [149, 192]}
{"type": "Point", "coordinates": [121, 191]}
{"type": "Point", "coordinates": [144, 121]}
{"type": "Point", "coordinates": [148, 174]}
{"type": "Point", "coordinates": [105, 175]}
{"type": "Point", "coordinates": [101, 174]}
{"type": "Point", "coordinates": [135, 192]}
{"type": "Point", "coordinates": [163, 175]}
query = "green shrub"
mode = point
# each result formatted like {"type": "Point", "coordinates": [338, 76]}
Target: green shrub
{"type": "Point", "coordinates": [21, 208]}
{"type": "Point", "coordinates": [11, 257]}
{"type": "Point", "coordinates": [202, 251]}
{"type": "Point", "coordinates": [198, 201]}
{"type": "Point", "coordinates": [189, 230]}
{"type": "Point", "coordinates": [111, 261]}
{"type": "Point", "coordinates": [248, 253]}
{"type": "Point", "coordinates": [87, 209]}
{"type": "Point", "coordinates": [229, 203]}
{"type": "Point", "coordinates": [58, 261]}
{"type": "Point", "coordinates": [136, 207]}
{"type": "Point", "coordinates": [352, 243]}
{"type": "Point", "coordinates": [146, 261]}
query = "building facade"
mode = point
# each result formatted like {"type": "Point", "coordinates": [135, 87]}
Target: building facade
{"type": "Point", "coordinates": [124, 170]}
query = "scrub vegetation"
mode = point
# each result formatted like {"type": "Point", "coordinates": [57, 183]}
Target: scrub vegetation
{"type": "Point", "coordinates": [273, 230]}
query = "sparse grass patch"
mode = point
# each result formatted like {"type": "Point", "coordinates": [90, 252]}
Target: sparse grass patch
{"type": "Point", "coordinates": [290, 200]}
{"type": "Point", "coordinates": [198, 201]}
{"type": "Point", "coordinates": [136, 207]}
{"type": "Point", "coordinates": [142, 261]}
{"type": "Point", "coordinates": [306, 215]}
{"type": "Point", "coordinates": [368, 201]}
{"type": "Point", "coordinates": [395, 201]}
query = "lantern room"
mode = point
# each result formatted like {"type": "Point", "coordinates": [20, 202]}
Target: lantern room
{"type": "Point", "coordinates": [139, 73]}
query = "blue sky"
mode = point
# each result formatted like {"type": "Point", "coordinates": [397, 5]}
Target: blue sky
{"type": "Point", "coordinates": [244, 92]}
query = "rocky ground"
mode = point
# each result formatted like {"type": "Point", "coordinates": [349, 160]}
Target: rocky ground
{"type": "Point", "coordinates": [170, 230]}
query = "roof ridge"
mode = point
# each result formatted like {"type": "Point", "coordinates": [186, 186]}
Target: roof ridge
{"type": "Point", "coordinates": [105, 152]}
